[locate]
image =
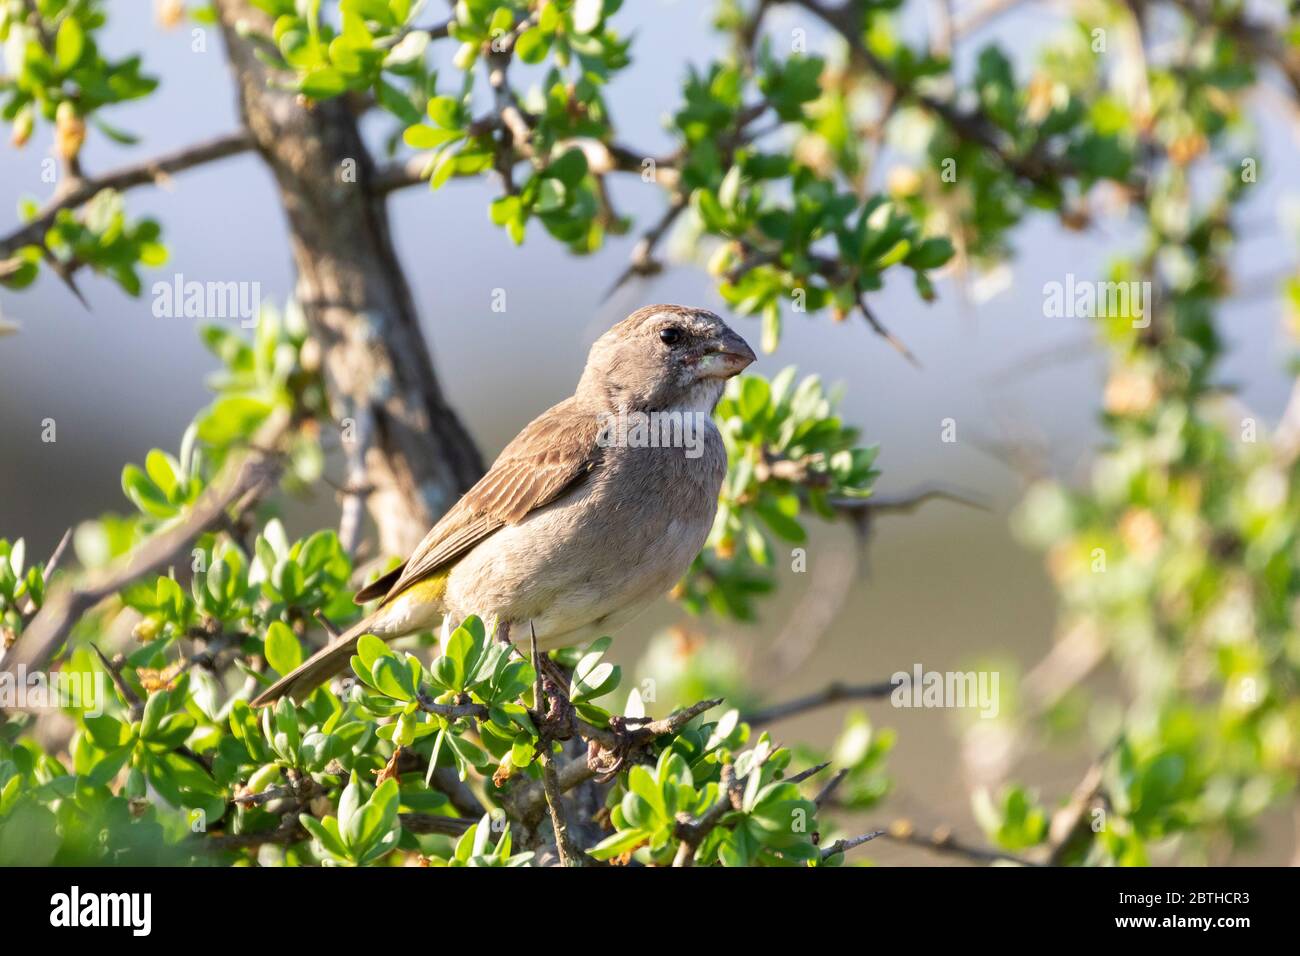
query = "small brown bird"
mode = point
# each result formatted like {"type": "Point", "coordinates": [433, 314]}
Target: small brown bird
{"type": "Point", "coordinates": [594, 510]}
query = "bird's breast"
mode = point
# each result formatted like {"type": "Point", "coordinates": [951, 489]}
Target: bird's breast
{"type": "Point", "coordinates": [615, 543]}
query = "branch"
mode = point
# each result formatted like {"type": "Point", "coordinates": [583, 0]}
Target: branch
{"type": "Point", "coordinates": [863, 511]}
{"type": "Point", "coordinates": [973, 127]}
{"type": "Point", "coordinates": [461, 796]}
{"type": "Point", "coordinates": [692, 830]}
{"type": "Point", "coordinates": [878, 327]}
{"type": "Point", "coordinates": [1263, 40]}
{"type": "Point", "coordinates": [132, 699]}
{"type": "Point", "coordinates": [941, 840]}
{"type": "Point", "coordinates": [528, 802]}
{"type": "Point", "coordinates": [257, 471]}
{"type": "Point", "coordinates": [643, 263]}
{"type": "Point", "coordinates": [830, 694]}
{"type": "Point", "coordinates": [47, 573]}
{"type": "Point", "coordinates": [803, 775]}
{"type": "Point", "coordinates": [643, 730]}
{"type": "Point", "coordinates": [77, 191]}
{"type": "Point", "coordinates": [399, 174]}
{"type": "Point", "coordinates": [843, 846]}
{"type": "Point", "coordinates": [290, 831]}
{"type": "Point", "coordinates": [1067, 820]}
{"type": "Point", "coordinates": [569, 852]}
{"type": "Point", "coordinates": [432, 823]}
{"type": "Point", "coordinates": [830, 788]}
{"type": "Point", "coordinates": [602, 158]}
{"type": "Point", "coordinates": [639, 729]}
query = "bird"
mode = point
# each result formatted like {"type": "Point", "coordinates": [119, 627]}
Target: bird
{"type": "Point", "coordinates": [592, 512]}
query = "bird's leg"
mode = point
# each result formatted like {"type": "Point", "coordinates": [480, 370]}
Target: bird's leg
{"type": "Point", "coordinates": [555, 672]}
{"type": "Point", "coordinates": [605, 763]}
{"type": "Point", "coordinates": [554, 710]}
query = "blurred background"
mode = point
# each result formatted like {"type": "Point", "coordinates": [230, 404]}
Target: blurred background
{"type": "Point", "coordinates": [945, 587]}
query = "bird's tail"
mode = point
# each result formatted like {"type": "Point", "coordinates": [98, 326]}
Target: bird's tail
{"type": "Point", "coordinates": [331, 659]}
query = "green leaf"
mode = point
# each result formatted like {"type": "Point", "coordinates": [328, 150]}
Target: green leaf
{"type": "Point", "coordinates": [107, 732]}
{"type": "Point", "coordinates": [421, 136]}
{"type": "Point", "coordinates": [70, 42]}
{"type": "Point", "coordinates": [781, 521]}
{"type": "Point", "coordinates": [392, 678]}
{"type": "Point", "coordinates": [144, 494]}
{"type": "Point", "coordinates": [755, 393]}
{"type": "Point", "coordinates": [443, 170]}
{"type": "Point", "coordinates": [532, 45]}
{"type": "Point", "coordinates": [378, 817]}
{"type": "Point", "coordinates": [283, 649]}
{"type": "Point", "coordinates": [397, 103]}
{"type": "Point", "coordinates": [469, 752]}
{"type": "Point", "coordinates": [154, 709]}
{"type": "Point", "coordinates": [327, 837]}
{"type": "Point", "coordinates": [569, 168]}
{"type": "Point", "coordinates": [322, 84]}
{"type": "Point", "coordinates": [617, 844]}
{"type": "Point", "coordinates": [931, 253]}
{"type": "Point", "coordinates": [371, 649]}
{"type": "Point", "coordinates": [445, 111]}
{"type": "Point", "coordinates": [522, 751]}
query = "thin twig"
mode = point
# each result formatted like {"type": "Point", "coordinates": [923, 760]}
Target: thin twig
{"type": "Point", "coordinates": [47, 573]}
{"type": "Point", "coordinates": [830, 694]}
{"type": "Point", "coordinates": [79, 191]}
{"type": "Point", "coordinates": [529, 801]}
{"type": "Point", "coordinates": [333, 632]}
{"type": "Point", "coordinates": [831, 786]}
{"type": "Point", "coordinates": [941, 840]}
{"type": "Point", "coordinates": [115, 675]}
{"type": "Point", "coordinates": [878, 327]}
{"type": "Point", "coordinates": [844, 845]}
{"type": "Point", "coordinates": [432, 823]}
{"type": "Point", "coordinates": [810, 772]}
{"type": "Point", "coordinates": [1067, 820]}
{"type": "Point", "coordinates": [642, 261]}
{"type": "Point", "coordinates": [974, 127]}
{"type": "Point", "coordinates": [570, 853]}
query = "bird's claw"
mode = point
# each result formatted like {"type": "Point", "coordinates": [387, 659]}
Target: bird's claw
{"type": "Point", "coordinates": [606, 762]}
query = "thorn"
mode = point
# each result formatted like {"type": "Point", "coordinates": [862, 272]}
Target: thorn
{"type": "Point", "coordinates": [326, 623]}
{"type": "Point", "coordinates": [887, 335]}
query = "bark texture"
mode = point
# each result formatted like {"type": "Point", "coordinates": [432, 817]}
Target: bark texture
{"type": "Point", "coordinates": [410, 455]}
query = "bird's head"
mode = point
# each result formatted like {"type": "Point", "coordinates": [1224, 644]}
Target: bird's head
{"type": "Point", "coordinates": [666, 356]}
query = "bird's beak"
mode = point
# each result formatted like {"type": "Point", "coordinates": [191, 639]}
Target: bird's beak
{"type": "Point", "coordinates": [726, 356]}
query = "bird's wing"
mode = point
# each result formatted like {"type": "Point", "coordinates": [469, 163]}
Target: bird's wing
{"type": "Point", "coordinates": [555, 452]}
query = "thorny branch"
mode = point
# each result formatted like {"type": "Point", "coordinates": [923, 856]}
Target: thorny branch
{"type": "Point", "coordinates": [941, 840]}
{"type": "Point", "coordinates": [830, 694]}
{"type": "Point", "coordinates": [844, 845]}
{"type": "Point", "coordinates": [569, 852]}
{"type": "Point", "coordinates": [691, 831]}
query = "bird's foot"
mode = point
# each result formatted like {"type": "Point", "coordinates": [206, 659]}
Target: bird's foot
{"type": "Point", "coordinates": [553, 671]}
{"type": "Point", "coordinates": [606, 761]}
{"type": "Point", "coordinates": [559, 722]}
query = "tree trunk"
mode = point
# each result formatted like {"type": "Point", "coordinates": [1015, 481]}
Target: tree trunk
{"type": "Point", "coordinates": [409, 454]}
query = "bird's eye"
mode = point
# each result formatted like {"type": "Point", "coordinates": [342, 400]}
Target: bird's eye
{"type": "Point", "coordinates": [671, 335]}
